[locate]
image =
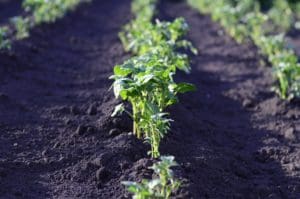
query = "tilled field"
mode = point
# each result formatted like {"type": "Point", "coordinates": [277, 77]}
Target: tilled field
{"type": "Point", "coordinates": [233, 137]}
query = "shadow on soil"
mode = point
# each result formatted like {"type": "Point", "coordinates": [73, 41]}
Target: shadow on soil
{"type": "Point", "coordinates": [220, 135]}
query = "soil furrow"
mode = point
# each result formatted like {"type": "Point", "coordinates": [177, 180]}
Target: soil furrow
{"type": "Point", "coordinates": [233, 137]}
{"type": "Point", "coordinates": [55, 108]}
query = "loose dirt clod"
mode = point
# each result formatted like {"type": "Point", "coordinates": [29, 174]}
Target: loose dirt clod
{"type": "Point", "coordinates": [289, 134]}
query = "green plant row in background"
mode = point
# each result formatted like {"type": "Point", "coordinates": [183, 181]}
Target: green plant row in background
{"type": "Point", "coordinates": [146, 82]}
{"type": "Point", "coordinates": [37, 12]}
{"type": "Point", "coordinates": [245, 20]}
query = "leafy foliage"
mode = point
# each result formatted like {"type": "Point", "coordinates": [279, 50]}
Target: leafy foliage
{"type": "Point", "coordinates": [22, 26]}
{"type": "Point", "coordinates": [245, 20]}
{"type": "Point", "coordinates": [4, 42]}
{"type": "Point", "coordinates": [49, 11]}
{"type": "Point", "coordinates": [146, 80]}
{"type": "Point", "coordinates": [38, 11]}
{"type": "Point", "coordinates": [159, 188]}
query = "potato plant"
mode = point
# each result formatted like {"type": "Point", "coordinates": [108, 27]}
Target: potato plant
{"type": "Point", "coordinates": [38, 11]}
{"type": "Point", "coordinates": [49, 11]}
{"type": "Point", "coordinates": [281, 15]}
{"type": "Point", "coordinates": [141, 36]}
{"type": "Point", "coordinates": [146, 80]}
{"type": "Point", "coordinates": [244, 20]}
{"type": "Point", "coordinates": [159, 188]}
{"type": "Point", "coordinates": [147, 83]}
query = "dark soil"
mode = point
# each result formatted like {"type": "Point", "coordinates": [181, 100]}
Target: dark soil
{"type": "Point", "coordinates": [233, 138]}
{"type": "Point", "coordinates": [8, 9]}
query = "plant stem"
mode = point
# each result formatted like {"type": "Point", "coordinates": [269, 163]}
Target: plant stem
{"type": "Point", "coordinates": [135, 122]}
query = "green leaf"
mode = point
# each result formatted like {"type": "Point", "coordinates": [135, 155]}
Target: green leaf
{"type": "Point", "coordinates": [145, 79]}
{"type": "Point", "coordinates": [124, 94]}
{"type": "Point", "coordinates": [183, 87]}
{"type": "Point", "coordinates": [118, 109]}
{"type": "Point", "coordinates": [121, 71]}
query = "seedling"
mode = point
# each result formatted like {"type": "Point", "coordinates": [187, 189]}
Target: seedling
{"type": "Point", "coordinates": [160, 187]}
{"type": "Point", "coordinates": [146, 81]}
{"type": "Point", "coordinates": [5, 43]}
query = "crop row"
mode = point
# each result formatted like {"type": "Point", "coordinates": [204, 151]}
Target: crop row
{"type": "Point", "coordinates": [146, 81]}
{"type": "Point", "coordinates": [245, 20]}
{"type": "Point", "coordinates": [36, 12]}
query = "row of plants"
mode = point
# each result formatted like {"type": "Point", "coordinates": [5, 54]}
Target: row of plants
{"type": "Point", "coordinates": [36, 12]}
{"type": "Point", "coordinates": [146, 81]}
{"type": "Point", "coordinates": [245, 20]}
{"type": "Point", "coordinates": [284, 14]}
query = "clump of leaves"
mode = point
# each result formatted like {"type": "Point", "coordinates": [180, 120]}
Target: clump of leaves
{"type": "Point", "coordinates": [160, 187]}
{"type": "Point", "coordinates": [22, 26]}
{"type": "Point", "coordinates": [144, 9]}
{"type": "Point", "coordinates": [49, 11]}
{"type": "Point", "coordinates": [142, 36]}
{"type": "Point", "coordinates": [146, 81]}
{"type": "Point", "coordinates": [4, 41]}
{"type": "Point", "coordinates": [281, 15]}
